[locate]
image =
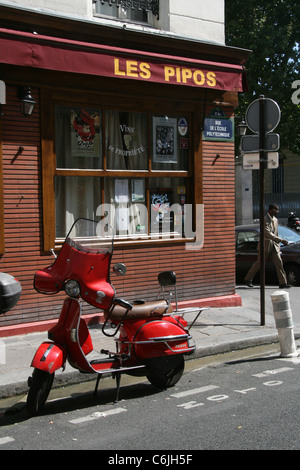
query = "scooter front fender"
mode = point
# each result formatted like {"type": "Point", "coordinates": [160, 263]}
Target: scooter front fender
{"type": "Point", "coordinates": [49, 357]}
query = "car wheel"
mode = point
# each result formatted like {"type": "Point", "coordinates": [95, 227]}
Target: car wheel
{"type": "Point", "coordinates": [293, 275]}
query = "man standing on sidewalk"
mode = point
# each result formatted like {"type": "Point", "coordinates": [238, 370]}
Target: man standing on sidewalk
{"type": "Point", "coordinates": [272, 249]}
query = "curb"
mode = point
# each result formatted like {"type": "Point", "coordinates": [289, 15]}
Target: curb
{"type": "Point", "coordinates": [74, 376]}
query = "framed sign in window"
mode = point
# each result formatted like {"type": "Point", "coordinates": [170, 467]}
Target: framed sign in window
{"type": "Point", "coordinates": [138, 190]}
{"type": "Point", "coordinates": [85, 133]}
{"type": "Point", "coordinates": [164, 140]}
{"type": "Point", "coordinates": [161, 202]}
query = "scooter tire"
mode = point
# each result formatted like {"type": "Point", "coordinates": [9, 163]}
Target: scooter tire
{"type": "Point", "coordinates": [164, 372]}
{"type": "Point", "coordinates": [39, 388]}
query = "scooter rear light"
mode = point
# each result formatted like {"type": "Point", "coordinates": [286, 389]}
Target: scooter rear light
{"type": "Point", "coordinates": [72, 288]}
{"type": "Point", "coordinates": [191, 345]}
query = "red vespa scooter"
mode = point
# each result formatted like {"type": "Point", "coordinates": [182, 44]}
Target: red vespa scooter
{"type": "Point", "coordinates": [152, 341]}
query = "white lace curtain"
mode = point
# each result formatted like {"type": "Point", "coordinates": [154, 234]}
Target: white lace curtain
{"type": "Point", "coordinates": [79, 146]}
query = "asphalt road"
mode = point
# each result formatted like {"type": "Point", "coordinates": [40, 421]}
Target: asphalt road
{"type": "Point", "coordinates": [246, 400]}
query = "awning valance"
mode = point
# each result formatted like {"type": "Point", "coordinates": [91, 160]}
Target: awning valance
{"type": "Point", "coordinates": [51, 53]}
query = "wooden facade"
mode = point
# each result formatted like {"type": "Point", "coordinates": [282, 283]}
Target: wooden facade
{"type": "Point", "coordinates": [27, 152]}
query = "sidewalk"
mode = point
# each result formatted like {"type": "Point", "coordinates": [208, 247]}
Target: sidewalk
{"type": "Point", "coordinates": [217, 330]}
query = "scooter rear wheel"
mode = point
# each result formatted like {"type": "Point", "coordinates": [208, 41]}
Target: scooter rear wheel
{"type": "Point", "coordinates": [164, 372]}
{"type": "Point", "coordinates": [39, 388]}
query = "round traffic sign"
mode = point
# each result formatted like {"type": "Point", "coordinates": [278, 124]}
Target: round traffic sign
{"type": "Point", "coordinates": [271, 115]}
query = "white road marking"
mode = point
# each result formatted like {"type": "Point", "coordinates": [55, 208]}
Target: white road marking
{"type": "Point", "coordinates": [246, 390]}
{"type": "Point", "coordinates": [190, 404]}
{"type": "Point", "coordinates": [267, 373]}
{"type": "Point", "coordinates": [5, 440]}
{"type": "Point", "coordinates": [97, 415]}
{"type": "Point", "coordinates": [194, 391]}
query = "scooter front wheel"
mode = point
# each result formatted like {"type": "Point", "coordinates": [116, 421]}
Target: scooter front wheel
{"type": "Point", "coordinates": [164, 372]}
{"type": "Point", "coordinates": [39, 388]}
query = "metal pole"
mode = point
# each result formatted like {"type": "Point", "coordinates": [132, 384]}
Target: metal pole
{"type": "Point", "coordinates": [262, 166]}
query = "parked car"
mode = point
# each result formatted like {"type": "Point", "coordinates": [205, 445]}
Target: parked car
{"type": "Point", "coordinates": [247, 238]}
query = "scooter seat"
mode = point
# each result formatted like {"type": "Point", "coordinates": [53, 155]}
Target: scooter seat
{"type": "Point", "coordinates": [140, 311]}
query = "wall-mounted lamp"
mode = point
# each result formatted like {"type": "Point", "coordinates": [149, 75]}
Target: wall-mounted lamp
{"type": "Point", "coordinates": [242, 128]}
{"type": "Point", "coordinates": [27, 103]}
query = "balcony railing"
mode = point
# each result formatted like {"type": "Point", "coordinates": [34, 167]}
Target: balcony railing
{"type": "Point", "coordinates": [139, 5]}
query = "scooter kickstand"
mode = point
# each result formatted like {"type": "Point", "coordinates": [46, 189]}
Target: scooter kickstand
{"type": "Point", "coordinates": [97, 383]}
{"type": "Point", "coordinates": [118, 380]}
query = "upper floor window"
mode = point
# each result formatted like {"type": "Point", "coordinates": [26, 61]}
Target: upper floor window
{"type": "Point", "coordinates": [127, 10]}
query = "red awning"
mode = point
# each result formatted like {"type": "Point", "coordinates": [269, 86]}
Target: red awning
{"type": "Point", "coordinates": [50, 53]}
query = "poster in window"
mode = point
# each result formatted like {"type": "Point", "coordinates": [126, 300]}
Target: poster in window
{"type": "Point", "coordinates": [161, 214]}
{"type": "Point", "coordinates": [138, 190]}
{"type": "Point", "coordinates": [85, 132]}
{"type": "Point", "coordinates": [121, 191]}
{"type": "Point", "coordinates": [164, 140]}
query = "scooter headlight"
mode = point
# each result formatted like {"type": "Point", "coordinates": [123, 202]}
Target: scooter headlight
{"type": "Point", "coordinates": [72, 288]}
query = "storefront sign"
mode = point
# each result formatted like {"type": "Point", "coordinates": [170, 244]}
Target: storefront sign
{"type": "Point", "coordinates": [165, 73]}
{"type": "Point", "coordinates": [44, 52]}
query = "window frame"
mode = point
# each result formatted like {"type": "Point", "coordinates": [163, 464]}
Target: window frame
{"type": "Point", "coordinates": [49, 99]}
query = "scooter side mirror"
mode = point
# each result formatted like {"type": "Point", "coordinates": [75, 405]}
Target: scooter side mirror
{"type": "Point", "coordinates": [119, 269]}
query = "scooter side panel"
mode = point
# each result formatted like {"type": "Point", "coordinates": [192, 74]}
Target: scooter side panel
{"type": "Point", "coordinates": [160, 338]}
{"type": "Point", "coordinates": [49, 357]}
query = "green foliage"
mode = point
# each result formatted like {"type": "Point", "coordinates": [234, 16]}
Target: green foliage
{"type": "Point", "coordinates": [271, 29]}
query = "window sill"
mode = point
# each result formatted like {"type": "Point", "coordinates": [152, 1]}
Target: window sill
{"type": "Point", "coordinates": [139, 241]}
{"type": "Point", "coordinates": [124, 22]}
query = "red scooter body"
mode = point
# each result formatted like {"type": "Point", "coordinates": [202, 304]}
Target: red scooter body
{"type": "Point", "coordinates": [151, 339]}
{"type": "Point", "coordinates": [89, 268]}
{"type": "Point", "coordinates": [155, 337]}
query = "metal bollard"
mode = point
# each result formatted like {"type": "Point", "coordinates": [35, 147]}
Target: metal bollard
{"type": "Point", "coordinates": [284, 323]}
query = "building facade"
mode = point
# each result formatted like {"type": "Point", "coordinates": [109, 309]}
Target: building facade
{"type": "Point", "coordinates": [133, 120]}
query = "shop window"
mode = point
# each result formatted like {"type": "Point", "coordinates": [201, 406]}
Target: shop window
{"type": "Point", "coordinates": [139, 11]}
{"type": "Point", "coordinates": [130, 167]}
{"type": "Point", "coordinates": [126, 140]}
